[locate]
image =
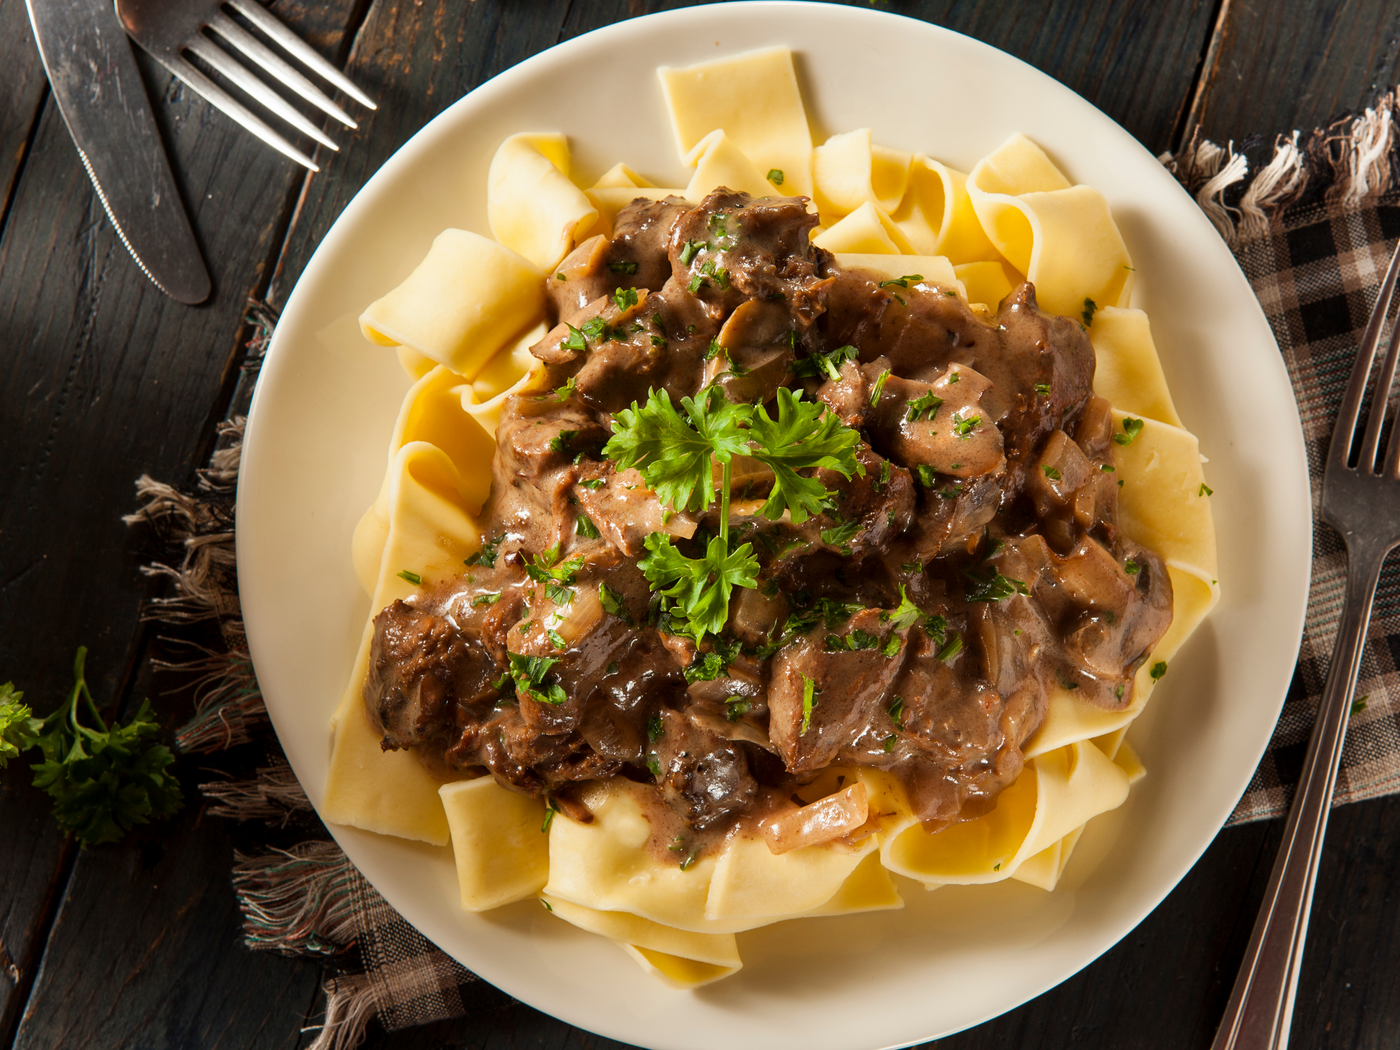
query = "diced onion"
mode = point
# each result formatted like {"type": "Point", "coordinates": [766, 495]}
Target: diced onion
{"type": "Point", "coordinates": [824, 820]}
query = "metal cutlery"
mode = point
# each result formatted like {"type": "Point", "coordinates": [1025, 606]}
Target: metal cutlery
{"type": "Point", "coordinates": [1361, 500]}
{"type": "Point", "coordinates": [103, 101]}
{"type": "Point", "coordinates": [170, 28]}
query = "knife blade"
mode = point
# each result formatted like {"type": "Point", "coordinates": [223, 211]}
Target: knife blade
{"type": "Point", "coordinates": [99, 91]}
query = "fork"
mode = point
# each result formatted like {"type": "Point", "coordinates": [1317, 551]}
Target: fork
{"type": "Point", "coordinates": [1361, 500]}
{"type": "Point", "coordinates": [168, 28]}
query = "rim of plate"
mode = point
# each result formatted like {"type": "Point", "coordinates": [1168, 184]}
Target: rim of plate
{"type": "Point", "coordinates": [287, 517]}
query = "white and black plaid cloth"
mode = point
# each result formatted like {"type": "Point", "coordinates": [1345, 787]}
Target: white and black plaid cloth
{"type": "Point", "coordinates": [1316, 273]}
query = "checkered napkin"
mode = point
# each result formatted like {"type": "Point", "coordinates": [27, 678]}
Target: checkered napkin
{"type": "Point", "coordinates": [1312, 229]}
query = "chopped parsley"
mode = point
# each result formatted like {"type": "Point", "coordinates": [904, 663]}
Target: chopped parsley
{"type": "Point", "coordinates": [840, 536]}
{"type": "Point", "coordinates": [561, 441]}
{"type": "Point", "coordinates": [575, 339]}
{"type": "Point", "coordinates": [879, 388]}
{"type": "Point", "coordinates": [583, 526]}
{"type": "Point", "coordinates": [1205, 490]}
{"type": "Point", "coordinates": [809, 701]}
{"type": "Point", "coordinates": [853, 641]}
{"type": "Point", "coordinates": [1052, 473]}
{"type": "Point", "coordinates": [1131, 567]}
{"type": "Point", "coordinates": [623, 267]}
{"type": "Point", "coordinates": [896, 710]}
{"type": "Point", "coordinates": [1359, 704]}
{"type": "Point", "coordinates": [735, 707]}
{"type": "Point", "coordinates": [906, 614]}
{"type": "Point", "coordinates": [926, 405]}
{"type": "Point", "coordinates": [592, 483]}
{"type": "Point", "coordinates": [411, 577]}
{"type": "Point", "coordinates": [963, 425]}
{"type": "Point", "coordinates": [486, 599]}
{"type": "Point", "coordinates": [1131, 429]}
{"type": "Point", "coordinates": [991, 586]}
{"type": "Point", "coordinates": [927, 476]}
{"type": "Point", "coordinates": [549, 810]}
{"type": "Point", "coordinates": [555, 575]}
{"type": "Point", "coordinates": [1090, 308]}
{"type": "Point", "coordinates": [1043, 389]}
{"type": "Point", "coordinates": [828, 364]}
{"type": "Point", "coordinates": [950, 648]}
{"type": "Point", "coordinates": [1158, 670]}
{"type": "Point", "coordinates": [902, 282]}
{"type": "Point", "coordinates": [775, 176]}
{"type": "Point", "coordinates": [613, 604]}
{"type": "Point", "coordinates": [487, 554]}
{"type": "Point", "coordinates": [625, 298]}
{"type": "Point", "coordinates": [689, 251]}
{"type": "Point", "coordinates": [532, 679]}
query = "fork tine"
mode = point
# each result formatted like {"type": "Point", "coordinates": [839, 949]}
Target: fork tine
{"type": "Point", "coordinates": [256, 50]}
{"type": "Point", "coordinates": [221, 99]}
{"type": "Point", "coordinates": [1344, 434]}
{"type": "Point", "coordinates": [225, 64]}
{"type": "Point", "coordinates": [1380, 404]}
{"type": "Point", "coordinates": [298, 48]}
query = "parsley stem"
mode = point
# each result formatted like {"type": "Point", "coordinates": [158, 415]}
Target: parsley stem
{"type": "Point", "coordinates": [725, 470]}
{"type": "Point", "coordinates": [80, 688]}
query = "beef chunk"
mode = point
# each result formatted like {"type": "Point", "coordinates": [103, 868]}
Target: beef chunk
{"type": "Point", "coordinates": [626, 512]}
{"type": "Point", "coordinates": [582, 278]}
{"type": "Point", "coordinates": [877, 501]}
{"type": "Point", "coordinates": [664, 347]}
{"type": "Point", "coordinates": [638, 256]}
{"type": "Point", "coordinates": [605, 319]}
{"type": "Point", "coordinates": [733, 247]}
{"type": "Point", "coordinates": [941, 424]}
{"type": "Point", "coordinates": [704, 777]}
{"type": "Point", "coordinates": [420, 668]}
{"type": "Point", "coordinates": [847, 690]}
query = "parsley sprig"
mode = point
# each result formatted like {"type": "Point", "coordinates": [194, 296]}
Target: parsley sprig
{"type": "Point", "coordinates": [676, 451]}
{"type": "Point", "coordinates": [805, 435]}
{"type": "Point", "coordinates": [103, 780]}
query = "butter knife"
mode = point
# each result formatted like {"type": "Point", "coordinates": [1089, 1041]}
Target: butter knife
{"type": "Point", "coordinates": [99, 91]}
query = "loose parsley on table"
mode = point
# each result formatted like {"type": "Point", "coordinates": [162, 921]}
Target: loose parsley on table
{"type": "Point", "coordinates": [103, 780]}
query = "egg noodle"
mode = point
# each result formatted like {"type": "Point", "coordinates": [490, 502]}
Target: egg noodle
{"type": "Point", "coordinates": [463, 323]}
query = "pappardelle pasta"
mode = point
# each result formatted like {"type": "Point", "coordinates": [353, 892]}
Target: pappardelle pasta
{"type": "Point", "coordinates": [737, 553]}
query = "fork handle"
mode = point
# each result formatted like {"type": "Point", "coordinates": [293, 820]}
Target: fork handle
{"type": "Point", "coordinates": [1260, 1010]}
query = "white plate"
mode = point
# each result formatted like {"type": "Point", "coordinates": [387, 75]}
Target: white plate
{"type": "Point", "coordinates": [315, 452]}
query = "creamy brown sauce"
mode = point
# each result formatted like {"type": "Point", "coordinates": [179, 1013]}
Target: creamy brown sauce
{"type": "Point", "coordinates": [988, 498]}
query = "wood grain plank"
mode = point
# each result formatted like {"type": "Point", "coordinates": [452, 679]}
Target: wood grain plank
{"type": "Point", "coordinates": [146, 952]}
{"type": "Point", "coordinates": [104, 378]}
{"type": "Point", "coordinates": [22, 87]}
{"type": "Point", "coordinates": [1297, 64]}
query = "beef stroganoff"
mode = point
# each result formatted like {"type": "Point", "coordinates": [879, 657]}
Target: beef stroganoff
{"type": "Point", "coordinates": [746, 542]}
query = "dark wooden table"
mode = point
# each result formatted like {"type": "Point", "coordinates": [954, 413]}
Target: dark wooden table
{"type": "Point", "coordinates": [102, 378]}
